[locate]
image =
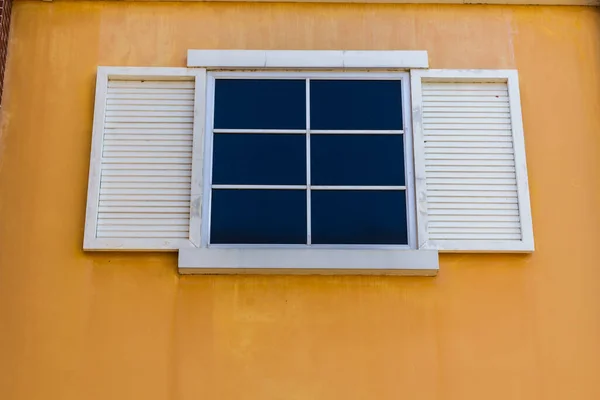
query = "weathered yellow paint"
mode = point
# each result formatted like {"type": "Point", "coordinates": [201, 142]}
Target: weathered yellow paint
{"type": "Point", "coordinates": [126, 326]}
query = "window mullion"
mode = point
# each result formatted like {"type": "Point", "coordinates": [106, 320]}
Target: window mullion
{"type": "Point", "coordinates": [308, 203]}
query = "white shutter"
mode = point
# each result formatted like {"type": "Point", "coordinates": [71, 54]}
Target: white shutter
{"type": "Point", "coordinates": [142, 171]}
{"type": "Point", "coordinates": [471, 174]}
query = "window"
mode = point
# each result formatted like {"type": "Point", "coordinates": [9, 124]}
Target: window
{"type": "Point", "coordinates": [239, 167]}
{"type": "Point", "coordinates": [319, 159]}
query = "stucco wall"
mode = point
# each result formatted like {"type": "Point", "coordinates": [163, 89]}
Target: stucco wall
{"type": "Point", "coordinates": [126, 326]}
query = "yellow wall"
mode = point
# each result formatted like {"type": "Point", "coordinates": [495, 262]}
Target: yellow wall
{"type": "Point", "coordinates": [126, 326]}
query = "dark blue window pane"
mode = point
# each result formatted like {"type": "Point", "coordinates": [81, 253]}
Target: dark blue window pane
{"type": "Point", "coordinates": [355, 105]}
{"type": "Point", "coordinates": [357, 160]}
{"type": "Point", "coordinates": [258, 216]}
{"type": "Point", "coordinates": [260, 104]}
{"type": "Point", "coordinates": [259, 159]}
{"type": "Point", "coordinates": [359, 217]}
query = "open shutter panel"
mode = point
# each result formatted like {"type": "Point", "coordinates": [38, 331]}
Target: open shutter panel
{"type": "Point", "coordinates": [470, 162]}
{"type": "Point", "coordinates": [143, 172]}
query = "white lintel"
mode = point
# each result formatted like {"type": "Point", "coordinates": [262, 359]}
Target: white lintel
{"type": "Point", "coordinates": [308, 261]}
{"type": "Point", "coordinates": [346, 59]}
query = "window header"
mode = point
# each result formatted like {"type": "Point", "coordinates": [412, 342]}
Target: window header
{"type": "Point", "coordinates": [297, 59]}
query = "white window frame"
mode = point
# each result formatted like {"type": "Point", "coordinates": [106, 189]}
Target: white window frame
{"type": "Point", "coordinates": [511, 77]}
{"type": "Point", "coordinates": [409, 188]}
{"type": "Point", "coordinates": [91, 242]}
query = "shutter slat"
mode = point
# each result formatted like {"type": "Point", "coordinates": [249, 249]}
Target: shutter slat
{"type": "Point", "coordinates": [144, 216]}
{"type": "Point", "coordinates": [150, 131]}
{"type": "Point", "coordinates": [126, 108]}
{"type": "Point", "coordinates": [167, 144]}
{"type": "Point", "coordinates": [481, 163]}
{"type": "Point", "coordinates": [149, 137]}
{"type": "Point", "coordinates": [148, 113]}
{"type": "Point", "coordinates": [145, 180]}
{"type": "Point", "coordinates": [474, 206]}
{"type": "Point", "coordinates": [142, 235]}
{"type": "Point", "coordinates": [144, 203]}
{"type": "Point", "coordinates": [466, 148]}
{"type": "Point", "coordinates": [452, 102]}
{"type": "Point", "coordinates": [453, 98]}
{"type": "Point", "coordinates": [451, 110]}
{"type": "Point", "coordinates": [467, 132]}
{"type": "Point", "coordinates": [474, 193]}
{"type": "Point", "coordinates": [146, 197]}
{"type": "Point", "coordinates": [450, 142]}
{"type": "Point", "coordinates": [140, 125]}
{"type": "Point", "coordinates": [471, 187]}
{"type": "Point", "coordinates": [464, 126]}
{"type": "Point", "coordinates": [158, 210]}
{"type": "Point", "coordinates": [475, 236]}
{"type": "Point", "coordinates": [471, 181]}
{"type": "Point", "coordinates": [453, 174]}
{"type": "Point", "coordinates": [472, 200]}
{"type": "Point", "coordinates": [472, 212]}
{"type": "Point", "coordinates": [476, 231]}
{"type": "Point", "coordinates": [458, 113]}
{"type": "Point", "coordinates": [151, 91]}
{"type": "Point", "coordinates": [476, 224]}
{"type": "Point", "coordinates": [145, 183]}
{"type": "Point", "coordinates": [141, 160]}
{"type": "Point", "coordinates": [148, 170]}
{"type": "Point", "coordinates": [468, 168]}
{"type": "Point", "coordinates": [460, 86]}
{"type": "Point", "coordinates": [464, 92]}
{"type": "Point", "coordinates": [151, 102]}
{"type": "Point", "coordinates": [169, 84]}
{"type": "Point", "coordinates": [146, 96]}
{"type": "Point", "coordinates": [433, 118]}
{"type": "Point", "coordinates": [136, 221]}
{"type": "Point", "coordinates": [142, 228]}
{"type": "Point", "coordinates": [145, 151]}
{"type": "Point", "coordinates": [162, 119]}
{"type": "Point", "coordinates": [138, 191]}
{"type": "Point", "coordinates": [483, 219]}
{"type": "Point", "coordinates": [443, 155]}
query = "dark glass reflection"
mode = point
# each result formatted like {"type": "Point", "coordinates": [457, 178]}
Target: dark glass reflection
{"type": "Point", "coordinates": [355, 104]}
{"type": "Point", "coordinates": [258, 216]}
{"type": "Point", "coordinates": [259, 159]}
{"type": "Point", "coordinates": [260, 104]}
{"type": "Point", "coordinates": [358, 217]}
{"type": "Point", "coordinates": [374, 160]}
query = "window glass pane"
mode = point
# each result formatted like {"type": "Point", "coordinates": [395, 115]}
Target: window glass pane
{"type": "Point", "coordinates": [357, 160]}
{"type": "Point", "coordinates": [259, 159]}
{"type": "Point", "coordinates": [358, 217]}
{"type": "Point", "coordinates": [258, 216]}
{"type": "Point", "coordinates": [355, 105]}
{"type": "Point", "coordinates": [260, 104]}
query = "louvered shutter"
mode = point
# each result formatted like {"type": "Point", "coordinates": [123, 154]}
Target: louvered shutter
{"type": "Point", "coordinates": [142, 170]}
{"type": "Point", "coordinates": [471, 174]}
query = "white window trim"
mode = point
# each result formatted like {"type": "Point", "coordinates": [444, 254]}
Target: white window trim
{"type": "Point", "coordinates": [408, 156]}
{"type": "Point", "coordinates": [526, 244]}
{"type": "Point", "coordinates": [307, 59]}
{"type": "Point", "coordinates": [308, 261]}
{"type": "Point", "coordinates": [91, 242]}
{"type": "Point", "coordinates": [316, 259]}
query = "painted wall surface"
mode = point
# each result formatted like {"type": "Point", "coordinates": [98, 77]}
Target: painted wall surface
{"type": "Point", "coordinates": [126, 326]}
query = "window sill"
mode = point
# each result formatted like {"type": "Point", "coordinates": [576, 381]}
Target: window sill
{"type": "Point", "coordinates": [215, 261]}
